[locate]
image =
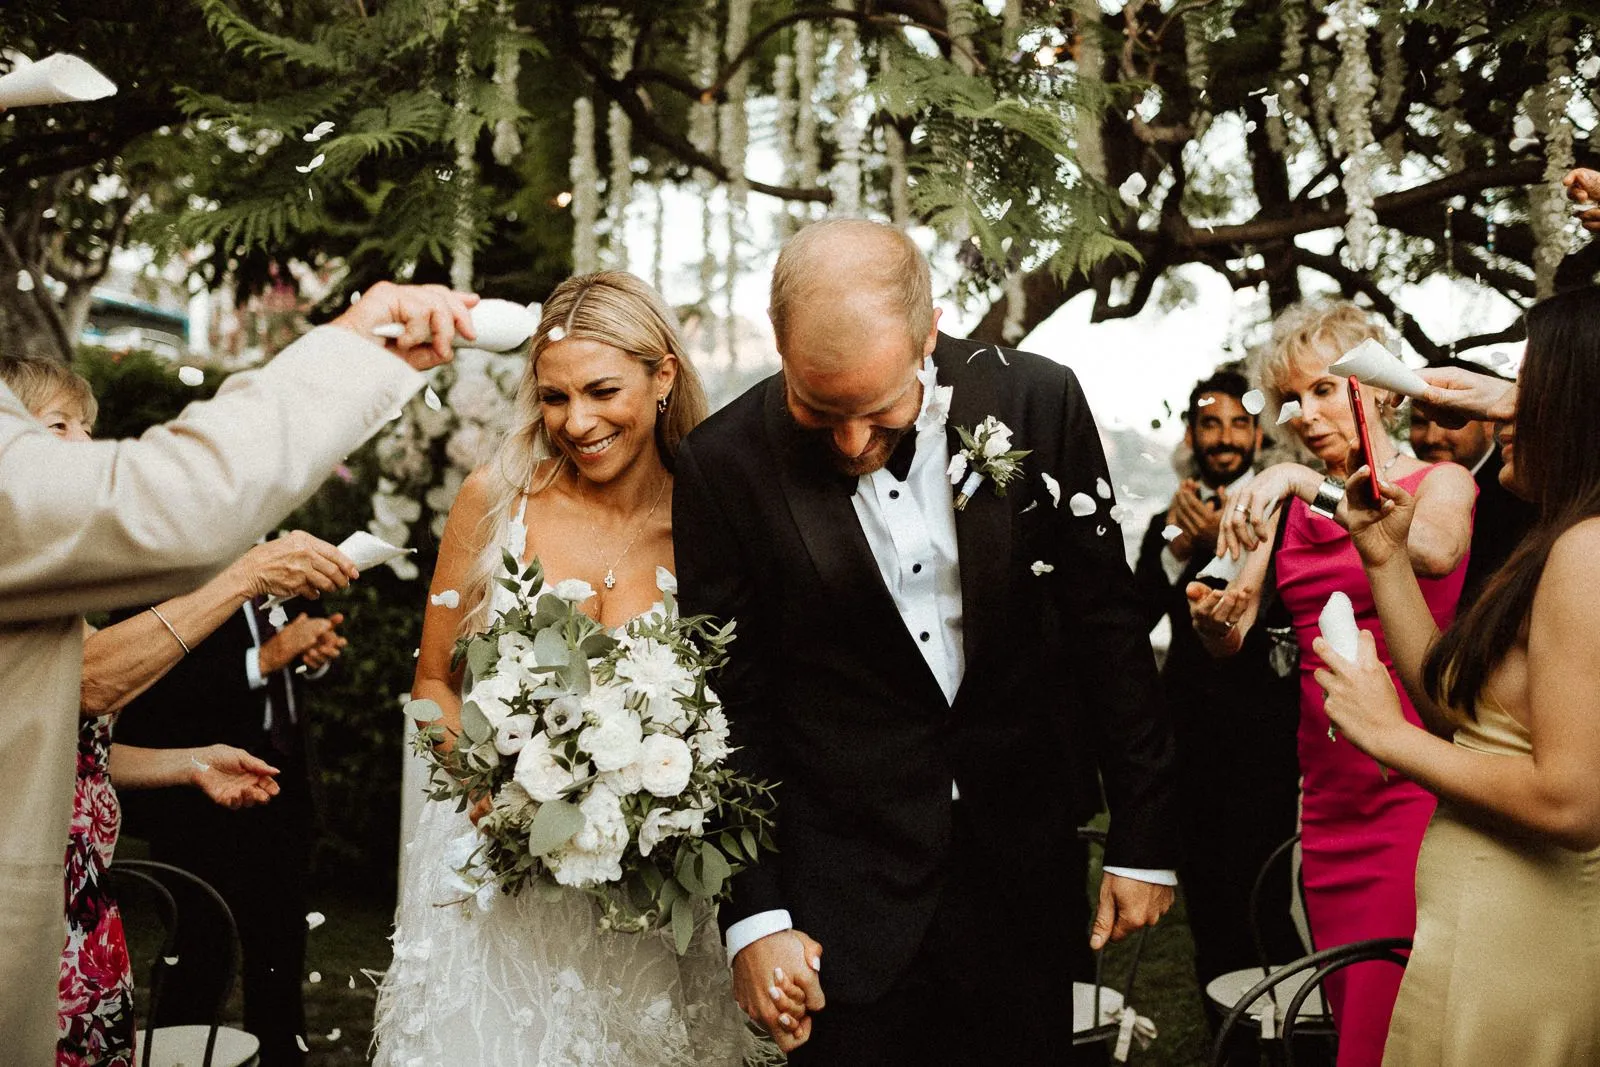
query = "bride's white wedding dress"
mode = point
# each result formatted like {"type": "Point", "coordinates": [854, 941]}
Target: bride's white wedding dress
{"type": "Point", "coordinates": [530, 980]}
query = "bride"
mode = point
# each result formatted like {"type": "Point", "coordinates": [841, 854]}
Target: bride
{"type": "Point", "coordinates": [584, 483]}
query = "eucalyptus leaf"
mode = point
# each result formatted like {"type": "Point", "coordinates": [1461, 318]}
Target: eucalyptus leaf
{"type": "Point", "coordinates": [748, 840]}
{"type": "Point", "coordinates": [423, 710]}
{"type": "Point", "coordinates": [550, 649]}
{"type": "Point", "coordinates": [474, 724]}
{"type": "Point", "coordinates": [597, 645]}
{"type": "Point", "coordinates": [553, 826]}
{"type": "Point", "coordinates": [682, 924]}
{"type": "Point", "coordinates": [716, 869]}
{"type": "Point", "coordinates": [482, 655]}
{"type": "Point", "coordinates": [686, 872]}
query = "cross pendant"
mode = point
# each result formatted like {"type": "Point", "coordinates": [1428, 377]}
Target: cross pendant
{"type": "Point", "coordinates": [611, 579]}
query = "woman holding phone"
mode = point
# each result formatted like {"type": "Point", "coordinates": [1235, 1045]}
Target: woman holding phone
{"type": "Point", "coordinates": [1360, 827]}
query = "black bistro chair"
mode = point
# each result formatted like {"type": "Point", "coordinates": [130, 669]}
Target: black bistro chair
{"type": "Point", "coordinates": [1098, 1008]}
{"type": "Point", "coordinates": [140, 883]}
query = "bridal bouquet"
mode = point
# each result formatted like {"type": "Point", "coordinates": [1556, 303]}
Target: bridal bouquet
{"type": "Point", "coordinates": [602, 755]}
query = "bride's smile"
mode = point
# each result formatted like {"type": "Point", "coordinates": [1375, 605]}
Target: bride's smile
{"type": "Point", "coordinates": [599, 405]}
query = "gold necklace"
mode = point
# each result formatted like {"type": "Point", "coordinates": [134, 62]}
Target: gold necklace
{"type": "Point", "coordinates": [610, 580]}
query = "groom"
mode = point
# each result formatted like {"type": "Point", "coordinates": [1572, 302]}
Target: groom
{"type": "Point", "coordinates": [934, 689]}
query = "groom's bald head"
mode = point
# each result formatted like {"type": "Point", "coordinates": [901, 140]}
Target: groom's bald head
{"type": "Point", "coordinates": [840, 282]}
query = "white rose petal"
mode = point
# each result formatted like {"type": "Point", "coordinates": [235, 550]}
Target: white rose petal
{"type": "Point", "coordinates": [1590, 68]}
{"type": "Point", "coordinates": [1169, 532]}
{"type": "Point", "coordinates": [1522, 126]}
{"type": "Point", "coordinates": [1053, 487]}
{"type": "Point", "coordinates": [1519, 144]}
{"type": "Point", "coordinates": [557, 334]}
{"type": "Point", "coordinates": [277, 616]}
{"type": "Point", "coordinates": [335, 1034]}
{"type": "Point", "coordinates": [1132, 187]}
{"type": "Point", "coordinates": [447, 599]}
{"type": "Point", "coordinates": [1121, 513]}
{"type": "Point", "coordinates": [665, 765]}
{"type": "Point", "coordinates": [24, 282]}
{"type": "Point", "coordinates": [1103, 488]}
{"type": "Point", "coordinates": [1040, 567]}
{"type": "Point", "coordinates": [573, 590]}
{"type": "Point", "coordinates": [1255, 401]}
{"type": "Point", "coordinates": [1100, 531]}
{"type": "Point", "coordinates": [431, 398]}
{"type": "Point", "coordinates": [1289, 410]}
{"type": "Point", "coordinates": [1205, 401]}
{"type": "Point", "coordinates": [315, 919]}
{"type": "Point", "coordinates": [314, 977]}
{"type": "Point", "coordinates": [957, 469]}
{"type": "Point", "coordinates": [300, 1043]}
{"type": "Point", "coordinates": [191, 376]}
{"type": "Point", "coordinates": [322, 130]}
{"type": "Point", "coordinates": [666, 581]}
{"type": "Point", "coordinates": [1082, 505]}
{"type": "Point", "coordinates": [316, 161]}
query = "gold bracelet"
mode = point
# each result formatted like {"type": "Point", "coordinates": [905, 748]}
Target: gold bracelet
{"type": "Point", "coordinates": [181, 642]}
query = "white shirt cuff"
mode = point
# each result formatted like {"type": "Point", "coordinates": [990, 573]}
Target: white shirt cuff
{"type": "Point", "coordinates": [753, 928]}
{"type": "Point", "coordinates": [1172, 565]}
{"type": "Point", "coordinates": [1145, 874]}
{"type": "Point", "coordinates": [252, 668]}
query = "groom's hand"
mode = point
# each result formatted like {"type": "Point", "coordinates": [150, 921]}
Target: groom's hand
{"type": "Point", "coordinates": [1126, 905]}
{"type": "Point", "coordinates": [756, 975]}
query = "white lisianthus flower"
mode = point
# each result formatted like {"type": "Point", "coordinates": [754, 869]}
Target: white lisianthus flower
{"type": "Point", "coordinates": [513, 733]}
{"type": "Point", "coordinates": [573, 590]}
{"type": "Point", "coordinates": [539, 773]}
{"type": "Point", "coordinates": [666, 581]}
{"type": "Point", "coordinates": [613, 741]}
{"type": "Point", "coordinates": [710, 742]}
{"type": "Point", "coordinates": [663, 823]}
{"type": "Point", "coordinates": [665, 765]}
{"type": "Point", "coordinates": [564, 715]}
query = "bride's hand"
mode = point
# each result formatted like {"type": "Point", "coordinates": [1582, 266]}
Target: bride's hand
{"type": "Point", "coordinates": [1378, 533]}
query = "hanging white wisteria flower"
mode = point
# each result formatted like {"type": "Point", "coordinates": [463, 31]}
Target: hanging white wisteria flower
{"type": "Point", "coordinates": [464, 179]}
{"type": "Point", "coordinates": [845, 178]}
{"type": "Point", "coordinates": [585, 176]}
{"type": "Point", "coordinates": [735, 136]}
{"type": "Point", "coordinates": [703, 136]}
{"type": "Point", "coordinates": [1547, 202]}
{"type": "Point", "coordinates": [507, 65]}
{"type": "Point", "coordinates": [1091, 60]}
{"type": "Point", "coordinates": [1353, 115]}
{"type": "Point", "coordinates": [619, 140]}
{"type": "Point", "coordinates": [1448, 98]}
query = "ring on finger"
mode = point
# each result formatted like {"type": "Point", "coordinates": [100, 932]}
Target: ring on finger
{"type": "Point", "coordinates": [1241, 509]}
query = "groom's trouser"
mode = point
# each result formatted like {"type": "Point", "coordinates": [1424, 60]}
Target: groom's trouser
{"type": "Point", "coordinates": [990, 985]}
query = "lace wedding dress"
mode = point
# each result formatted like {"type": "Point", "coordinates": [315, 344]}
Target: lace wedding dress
{"type": "Point", "coordinates": [530, 980]}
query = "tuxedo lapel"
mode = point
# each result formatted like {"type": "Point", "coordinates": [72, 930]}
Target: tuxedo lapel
{"type": "Point", "coordinates": [983, 527]}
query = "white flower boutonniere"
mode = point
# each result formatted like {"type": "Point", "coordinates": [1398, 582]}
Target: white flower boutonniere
{"type": "Point", "coordinates": [987, 453]}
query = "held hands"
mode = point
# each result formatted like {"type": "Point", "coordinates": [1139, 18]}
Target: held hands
{"type": "Point", "coordinates": [312, 640]}
{"type": "Point", "coordinates": [231, 776]}
{"type": "Point", "coordinates": [432, 315]}
{"type": "Point", "coordinates": [295, 564]}
{"type": "Point", "coordinates": [777, 984]}
{"type": "Point", "coordinates": [1583, 187]}
{"type": "Point", "coordinates": [1361, 701]}
{"type": "Point", "coordinates": [1126, 905]}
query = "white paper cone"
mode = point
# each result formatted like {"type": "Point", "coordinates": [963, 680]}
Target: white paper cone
{"type": "Point", "coordinates": [57, 79]}
{"type": "Point", "coordinates": [367, 551]}
{"type": "Point", "coordinates": [1338, 625]}
{"type": "Point", "coordinates": [500, 325]}
{"type": "Point", "coordinates": [1376, 365]}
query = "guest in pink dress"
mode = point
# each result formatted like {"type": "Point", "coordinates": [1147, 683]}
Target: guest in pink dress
{"type": "Point", "coordinates": [1360, 830]}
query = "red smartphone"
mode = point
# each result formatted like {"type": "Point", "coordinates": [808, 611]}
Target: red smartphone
{"type": "Point", "coordinates": [1370, 497]}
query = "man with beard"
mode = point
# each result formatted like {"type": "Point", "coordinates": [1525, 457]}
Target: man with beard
{"type": "Point", "coordinates": [931, 686]}
{"type": "Point", "coordinates": [1500, 518]}
{"type": "Point", "coordinates": [1234, 718]}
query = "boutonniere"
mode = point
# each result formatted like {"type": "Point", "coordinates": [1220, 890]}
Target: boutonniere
{"type": "Point", "coordinates": [986, 454]}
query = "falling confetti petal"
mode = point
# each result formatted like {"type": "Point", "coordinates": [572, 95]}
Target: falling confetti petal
{"type": "Point", "coordinates": [316, 161]}
{"type": "Point", "coordinates": [1171, 532]}
{"type": "Point", "coordinates": [1205, 401]}
{"type": "Point", "coordinates": [431, 398]}
{"type": "Point", "coordinates": [1148, 458]}
{"type": "Point", "coordinates": [447, 599]}
{"type": "Point", "coordinates": [300, 1042]}
{"type": "Point", "coordinates": [1272, 104]}
{"type": "Point", "coordinates": [1290, 410]}
{"type": "Point", "coordinates": [335, 1034]}
{"type": "Point", "coordinates": [352, 981]}
{"type": "Point", "coordinates": [1121, 513]}
{"type": "Point", "coordinates": [277, 616]}
{"type": "Point", "coordinates": [1129, 493]}
{"type": "Point", "coordinates": [301, 669]}
{"type": "Point", "coordinates": [191, 376]}
{"type": "Point", "coordinates": [416, 652]}
{"type": "Point", "coordinates": [24, 282]}
{"type": "Point", "coordinates": [170, 961]}
{"type": "Point", "coordinates": [1040, 567]}
{"type": "Point", "coordinates": [557, 334]}
{"type": "Point", "coordinates": [314, 977]}
{"type": "Point", "coordinates": [1052, 487]}
{"type": "Point", "coordinates": [1100, 531]}
{"type": "Point", "coordinates": [1522, 126]}
{"type": "Point", "coordinates": [1131, 188]}
{"type": "Point", "coordinates": [1082, 504]}
{"type": "Point", "coordinates": [1519, 144]}
{"type": "Point", "coordinates": [1255, 401]}
{"type": "Point", "coordinates": [200, 765]}
{"type": "Point", "coordinates": [322, 130]}
{"type": "Point", "coordinates": [1102, 487]}
{"type": "Point", "coordinates": [315, 919]}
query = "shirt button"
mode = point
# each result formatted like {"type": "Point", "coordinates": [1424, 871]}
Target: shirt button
{"type": "Point", "coordinates": [916, 568]}
{"type": "Point", "coordinates": [894, 494]}
{"type": "Point", "coordinates": [923, 635]}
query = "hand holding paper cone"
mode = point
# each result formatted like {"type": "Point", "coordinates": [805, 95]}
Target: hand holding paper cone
{"type": "Point", "coordinates": [1338, 625]}
{"type": "Point", "coordinates": [499, 326]}
{"type": "Point", "coordinates": [57, 79]}
{"type": "Point", "coordinates": [1376, 365]}
{"type": "Point", "coordinates": [365, 551]}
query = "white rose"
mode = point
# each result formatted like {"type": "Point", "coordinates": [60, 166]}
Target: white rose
{"type": "Point", "coordinates": [595, 854]}
{"type": "Point", "coordinates": [564, 715]}
{"type": "Point", "coordinates": [573, 590]}
{"type": "Point", "coordinates": [663, 823]}
{"type": "Point", "coordinates": [539, 773]}
{"type": "Point", "coordinates": [625, 781]}
{"type": "Point", "coordinates": [665, 764]}
{"type": "Point", "coordinates": [513, 733]}
{"type": "Point", "coordinates": [613, 740]}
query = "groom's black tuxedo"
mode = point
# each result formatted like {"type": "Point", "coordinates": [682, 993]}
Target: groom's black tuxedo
{"type": "Point", "coordinates": [828, 694]}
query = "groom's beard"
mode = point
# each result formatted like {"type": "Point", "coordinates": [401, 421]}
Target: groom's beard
{"type": "Point", "coordinates": [882, 445]}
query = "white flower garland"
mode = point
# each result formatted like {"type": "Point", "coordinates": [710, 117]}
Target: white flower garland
{"type": "Point", "coordinates": [1091, 150]}
{"type": "Point", "coordinates": [703, 135]}
{"type": "Point", "coordinates": [1353, 116]}
{"type": "Point", "coordinates": [507, 65]}
{"type": "Point", "coordinates": [619, 138]}
{"type": "Point", "coordinates": [894, 151]}
{"type": "Point", "coordinates": [1547, 205]}
{"type": "Point", "coordinates": [464, 180]}
{"type": "Point", "coordinates": [585, 176]}
{"type": "Point", "coordinates": [845, 178]}
{"type": "Point", "coordinates": [735, 150]}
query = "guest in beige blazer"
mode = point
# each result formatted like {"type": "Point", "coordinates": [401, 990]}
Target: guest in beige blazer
{"type": "Point", "coordinates": [105, 524]}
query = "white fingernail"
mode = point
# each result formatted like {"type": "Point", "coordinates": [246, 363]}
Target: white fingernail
{"type": "Point", "coordinates": [816, 963]}
{"type": "Point", "coordinates": [777, 974]}
{"type": "Point", "coordinates": [785, 1020]}
{"type": "Point", "coordinates": [774, 992]}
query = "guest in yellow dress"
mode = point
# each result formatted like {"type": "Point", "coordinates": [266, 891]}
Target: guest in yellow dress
{"type": "Point", "coordinates": [1506, 965]}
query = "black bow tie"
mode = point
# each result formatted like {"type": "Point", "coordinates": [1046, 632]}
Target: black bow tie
{"type": "Point", "coordinates": [899, 463]}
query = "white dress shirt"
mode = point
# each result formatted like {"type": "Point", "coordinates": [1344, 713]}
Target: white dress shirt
{"type": "Point", "coordinates": [911, 528]}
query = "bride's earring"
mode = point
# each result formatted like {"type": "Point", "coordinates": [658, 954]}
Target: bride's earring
{"type": "Point", "coordinates": [661, 404]}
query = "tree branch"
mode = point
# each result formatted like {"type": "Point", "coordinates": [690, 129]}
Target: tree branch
{"type": "Point", "coordinates": [1352, 282]}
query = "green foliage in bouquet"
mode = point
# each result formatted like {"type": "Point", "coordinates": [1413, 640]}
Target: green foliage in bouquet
{"type": "Point", "coordinates": [602, 756]}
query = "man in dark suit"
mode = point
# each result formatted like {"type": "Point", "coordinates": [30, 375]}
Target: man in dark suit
{"type": "Point", "coordinates": [1500, 518]}
{"type": "Point", "coordinates": [932, 687]}
{"type": "Point", "coordinates": [1235, 718]}
{"type": "Point", "coordinates": [239, 687]}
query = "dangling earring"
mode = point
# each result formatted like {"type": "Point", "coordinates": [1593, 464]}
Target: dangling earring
{"type": "Point", "coordinates": [661, 404]}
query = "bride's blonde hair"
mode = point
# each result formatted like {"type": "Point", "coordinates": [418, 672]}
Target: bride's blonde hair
{"type": "Point", "coordinates": [614, 308]}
